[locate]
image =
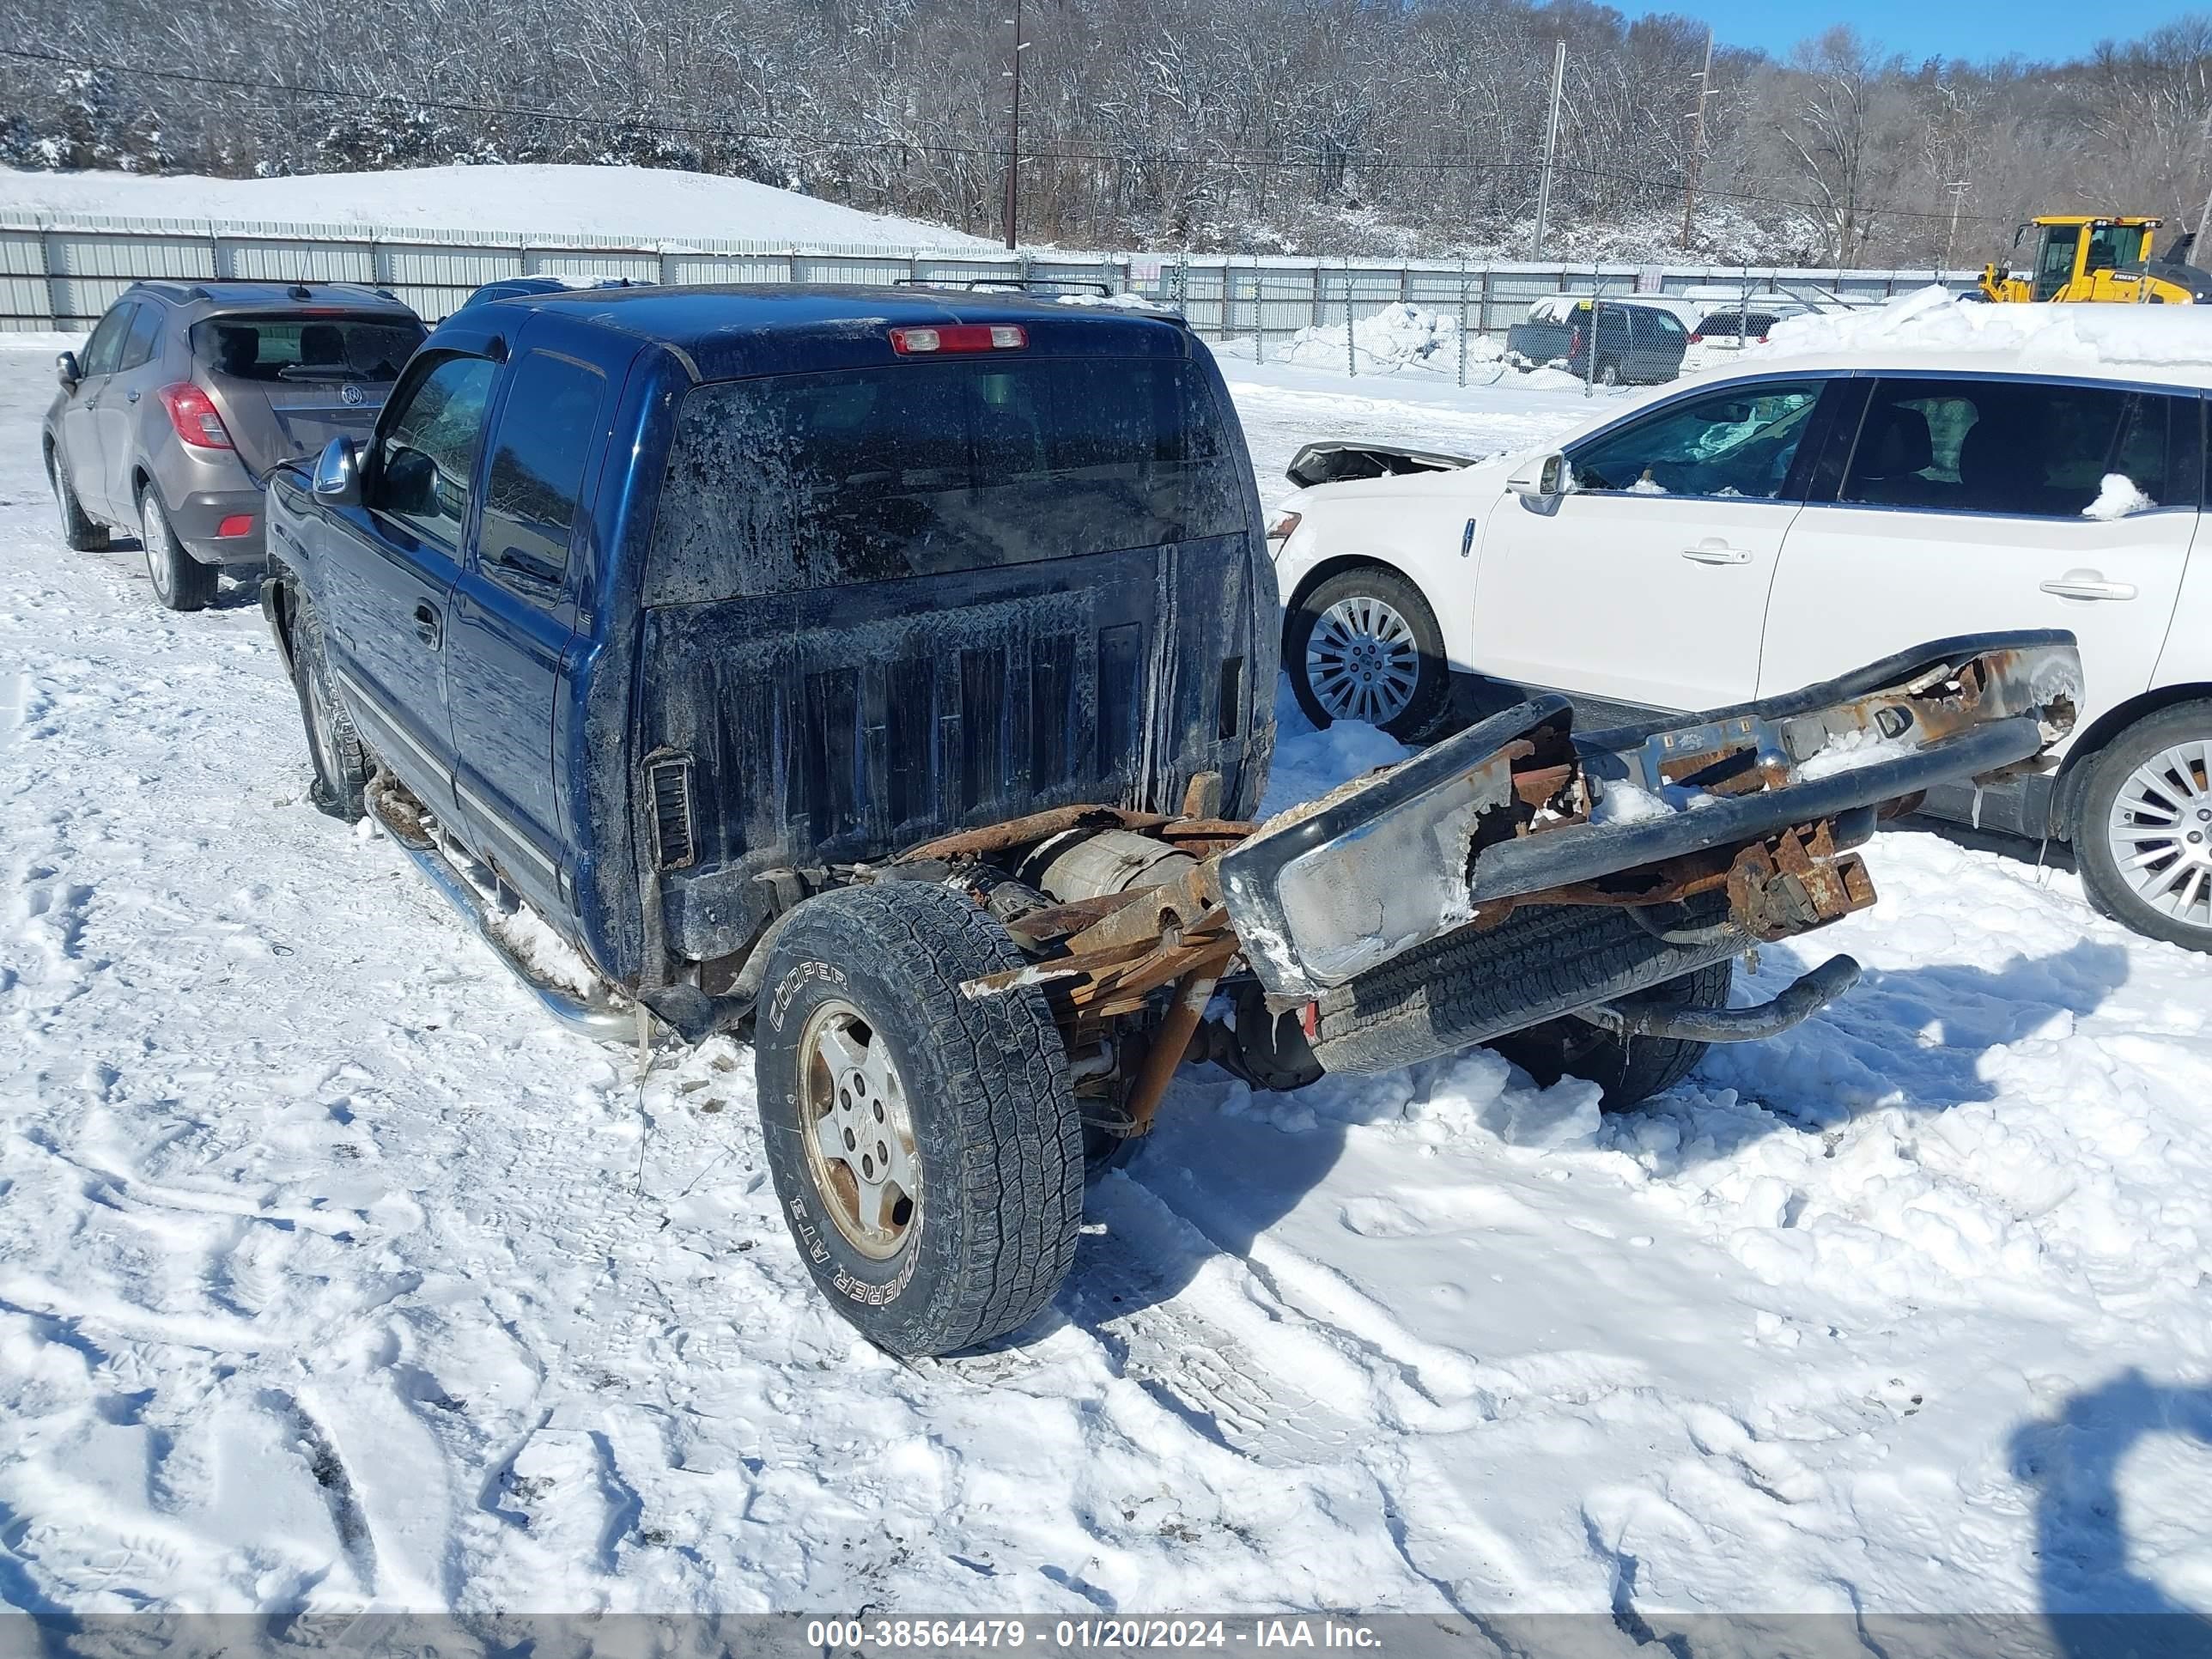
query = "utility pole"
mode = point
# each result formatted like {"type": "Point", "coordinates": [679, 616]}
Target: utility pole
{"type": "Point", "coordinates": [1697, 141]}
{"type": "Point", "coordinates": [1014, 126]}
{"type": "Point", "coordinates": [1551, 144]}
{"type": "Point", "coordinates": [2205, 149]}
{"type": "Point", "coordinates": [1958, 188]}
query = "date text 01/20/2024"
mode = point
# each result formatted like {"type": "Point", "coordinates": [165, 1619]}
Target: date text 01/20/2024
{"type": "Point", "coordinates": [1089, 1633]}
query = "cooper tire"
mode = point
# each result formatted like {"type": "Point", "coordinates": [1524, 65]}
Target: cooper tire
{"type": "Point", "coordinates": [2156, 773]}
{"type": "Point", "coordinates": [180, 581]}
{"type": "Point", "coordinates": [1629, 1070]}
{"type": "Point", "coordinates": [863, 1024]}
{"type": "Point", "coordinates": [80, 530]}
{"type": "Point", "coordinates": [340, 761]}
{"type": "Point", "coordinates": [1378, 612]}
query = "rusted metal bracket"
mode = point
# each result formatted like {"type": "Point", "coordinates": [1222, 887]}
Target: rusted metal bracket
{"type": "Point", "coordinates": [1795, 882]}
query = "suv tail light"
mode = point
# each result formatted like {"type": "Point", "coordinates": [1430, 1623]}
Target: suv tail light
{"type": "Point", "coordinates": [193, 415]}
{"type": "Point", "coordinates": [1697, 339]}
{"type": "Point", "coordinates": [959, 337]}
{"type": "Point", "coordinates": [1281, 529]}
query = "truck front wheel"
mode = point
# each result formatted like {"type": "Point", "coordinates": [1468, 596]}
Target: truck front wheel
{"type": "Point", "coordinates": [1629, 1070]}
{"type": "Point", "coordinates": [334, 747]}
{"type": "Point", "coordinates": [925, 1144]}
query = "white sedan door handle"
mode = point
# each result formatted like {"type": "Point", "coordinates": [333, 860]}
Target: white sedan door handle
{"type": "Point", "coordinates": [2085, 586]}
{"type": "Point", "coordinates": [1717, 553]}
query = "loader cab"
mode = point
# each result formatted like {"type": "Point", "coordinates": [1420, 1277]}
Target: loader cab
{"type": "Point", "coordinates": [2055, 247]}
{"type": "Point", "coordinates": [2078, 257]}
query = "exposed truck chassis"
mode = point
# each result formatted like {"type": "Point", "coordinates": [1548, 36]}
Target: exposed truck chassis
{"type": "Point", "coordinates": [1727, 830]}
{"type": "Point", "coordinates": [1517, 877]}
{"type": "Point", "coordinates": [1711, 835]}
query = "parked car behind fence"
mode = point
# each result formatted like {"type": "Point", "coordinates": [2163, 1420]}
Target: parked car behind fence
{"type": "Point", "coordinates": [1631, 343]}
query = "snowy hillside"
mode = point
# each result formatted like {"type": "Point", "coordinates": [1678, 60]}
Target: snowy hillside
{"type": "Point", "coordinates": [652, 205]}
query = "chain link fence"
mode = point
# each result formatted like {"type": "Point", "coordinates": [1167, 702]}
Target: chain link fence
{"type": "Point", "coordinates": [60, 274]}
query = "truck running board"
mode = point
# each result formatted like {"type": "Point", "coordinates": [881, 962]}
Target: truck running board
{"type": "Point", "coordinates": [599, 1017]}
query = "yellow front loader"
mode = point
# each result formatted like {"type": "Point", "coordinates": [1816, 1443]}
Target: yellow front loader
{"type": "Point", "coordinates": [2107, 258]}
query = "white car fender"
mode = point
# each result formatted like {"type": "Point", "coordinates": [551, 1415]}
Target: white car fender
{"type": "Point", "coordinates": [1426, 527]}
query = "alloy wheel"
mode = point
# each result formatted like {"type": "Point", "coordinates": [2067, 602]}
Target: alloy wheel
{"type": "Point", "coordinates": [859, 1135]}
{"type": "Point", "coordinates": [1363, 661]}
{"type": "Point", "coordinates": [2160, 832]}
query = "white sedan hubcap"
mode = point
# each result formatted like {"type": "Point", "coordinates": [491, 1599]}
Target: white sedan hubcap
{"type": "Point", "coordinates": [1362, 660]}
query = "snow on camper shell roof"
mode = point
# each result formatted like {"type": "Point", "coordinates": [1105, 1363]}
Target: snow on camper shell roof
{"type": "Point", "coordinates": [754, 329]}
{"type": "Point", "coordinates": [1934, 330]}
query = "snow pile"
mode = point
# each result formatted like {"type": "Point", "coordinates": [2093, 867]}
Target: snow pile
{"type": "Point", "coordinates": [2054, 335]}
{"type": "Point", "coordinates": [2118, 497]}
{"type": "Point", "coordinates": [1398, 339]}
{"type": "Point", "coordinates": [1119, 302]}
{"type": "Point", "coordinates": [653, 205]}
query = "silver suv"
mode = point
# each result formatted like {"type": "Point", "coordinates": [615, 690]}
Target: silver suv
{"type": "Point", "coordinates": [189, 393]}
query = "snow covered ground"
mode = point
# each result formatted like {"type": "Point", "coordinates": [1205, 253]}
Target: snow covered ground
{"type": "Point", "coordinates": [653, 204]}
{"type": "Point", "coordinates": [333, 1276]}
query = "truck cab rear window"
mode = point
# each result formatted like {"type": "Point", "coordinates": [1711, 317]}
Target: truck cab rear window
{"type": "Point", "coordinates": [257, 348]}
{"type": "Point", "coordinates": [794, 482]}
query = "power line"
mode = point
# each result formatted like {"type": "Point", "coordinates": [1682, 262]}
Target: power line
{"type": "Point", "coordinates": [1105, 151]}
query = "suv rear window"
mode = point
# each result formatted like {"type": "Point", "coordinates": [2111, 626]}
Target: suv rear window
{"type": "Point", "coordinates": [280, 348]}
{"type": "Point", "coordinates": [806, 481]}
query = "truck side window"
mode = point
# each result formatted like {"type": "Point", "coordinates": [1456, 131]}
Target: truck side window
{"type": "Point", "coordinates": [426, 455]}
{"type": "Point", "coordinates": [545, 437]}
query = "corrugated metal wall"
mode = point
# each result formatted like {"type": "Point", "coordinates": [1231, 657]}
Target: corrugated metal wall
{"type": "Point", "coordinates": [61, 273]}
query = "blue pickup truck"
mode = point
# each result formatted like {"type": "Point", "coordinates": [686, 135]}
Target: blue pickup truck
{"type": "Point", "coordinates": [888, 675]}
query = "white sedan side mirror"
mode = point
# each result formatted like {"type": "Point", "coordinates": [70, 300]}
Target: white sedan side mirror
{"type": "Point", "coordinates": [1540, 477]}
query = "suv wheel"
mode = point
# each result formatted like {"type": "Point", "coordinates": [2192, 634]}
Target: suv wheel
{"type": "Point", "coordinates": [2142, 827]}
{"type": "Point", "coordinates": [1629, 1070]}
{"type": "Point", "coordinates": [1364, 645]}
{"type": "Point", "coordinates": [1608, 373]}
{"type": "Point", "coordinates": [341, 760]}
{"type": "Point", "coordinates": [926, 1145]}
{"type": "Point", "coordinates": [181, 582]}
{"type": "Point", "coordinates": [79, 531]}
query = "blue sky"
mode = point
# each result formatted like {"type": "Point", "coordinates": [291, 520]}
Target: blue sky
{"type": "Point", "coordinates": [1925, 28]}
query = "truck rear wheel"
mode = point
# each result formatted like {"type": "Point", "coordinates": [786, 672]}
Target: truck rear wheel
{"type": "Point", "coordinates": [926, 1145]}
{"type": "Point", "coordinates": [1629, 1070]}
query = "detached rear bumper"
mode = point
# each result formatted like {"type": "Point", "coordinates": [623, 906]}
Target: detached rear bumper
{"type": "Point", "coordinates": [1518, 810]}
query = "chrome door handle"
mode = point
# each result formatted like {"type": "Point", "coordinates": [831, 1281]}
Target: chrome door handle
{"type": "Point", "coordinates": [426, 623]}
{"type": "Point", "coordinates": [2082, 588]}
{"type": "Point", "coordinates": [1714, 553]}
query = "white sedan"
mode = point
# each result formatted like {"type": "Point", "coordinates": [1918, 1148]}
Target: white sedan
{"type": "Point", "coordinates": [1767, 526]}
